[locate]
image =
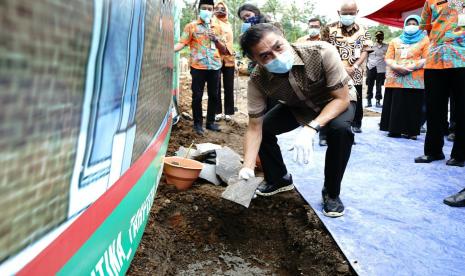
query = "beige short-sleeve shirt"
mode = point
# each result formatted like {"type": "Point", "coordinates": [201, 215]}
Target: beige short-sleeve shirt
{"type": "Point", "coordinates": [332, 66]}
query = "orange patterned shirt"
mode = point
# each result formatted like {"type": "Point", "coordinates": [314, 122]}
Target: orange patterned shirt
{"type": "Point", "coordinates": [406, 55]}
{"type": "Point", "coordinates": [203, 53]}
{"type": "Point", "coordinates": [441, 19]}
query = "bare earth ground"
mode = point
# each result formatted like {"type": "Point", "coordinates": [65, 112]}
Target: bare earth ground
{"type": "Point", "coordinates": [198, 233]}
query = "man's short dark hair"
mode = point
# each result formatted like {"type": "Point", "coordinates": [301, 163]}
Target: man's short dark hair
{"type": "Point", "coordinates": [254, 34]}
{"type": "Point", "coordinates": [314, 20]}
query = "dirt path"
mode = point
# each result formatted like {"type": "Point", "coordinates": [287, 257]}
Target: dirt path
{"type": "Point", "coordinates": [198, 233]}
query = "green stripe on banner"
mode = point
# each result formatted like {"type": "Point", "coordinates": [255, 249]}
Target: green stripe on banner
{"type": "Point", "coordinates": [110, 249]}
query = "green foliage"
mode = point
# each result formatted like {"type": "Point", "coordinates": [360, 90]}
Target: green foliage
{"type": "Point", "coordinates": [272, 8]}
{"type": "Point", "coordinates": [389, 33]}
{"type": "Point", "coordinates": [295, 19]}
{"type": "Point", "coordinates": [236, 22]}
{"type": "Point", "coordinates": [189, 12]}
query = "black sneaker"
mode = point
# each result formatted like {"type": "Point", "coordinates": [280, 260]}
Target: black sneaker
{"type": "Point", "coordinates": [378, 104]}
{"type": "Point", "coordinates": [323, 143]}
{"type": "Point", "coordinates": [269, 189]}
{"type": "Point", "coordinates": [357, 129]}
{"type": "Point", "coordinates": [455, 162]}
{"type": "Point", "coordinates": [429, 158]}
{"type": "Point", "coordinates": [198, 129]}
{"type": "Point", "coordinates": [457, 200]}
{"type": "Point", "coordinates": [324, 194]}
{"type": "Point", "coordinates": [369, 103]}
{"type": "Point", "coordinates": [333, 207]}
{"type": "Point", "coordinates": [394, 135]}
{"type": "Point", "coordinates": [213, 127]}
{"type": "Point", "coordinates": [451, 137]}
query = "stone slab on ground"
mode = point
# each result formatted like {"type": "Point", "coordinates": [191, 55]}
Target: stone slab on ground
{"type": "Point", "coordinates": [182, 152]}
{"type": "Point", "coordinates": [228, 163]}
{"type": "Point", "coordinates": [241, 191]}
{"type": "Point", "coordinates": [209, 173]}
{"type": "Point", "coordinates": [206, 147]}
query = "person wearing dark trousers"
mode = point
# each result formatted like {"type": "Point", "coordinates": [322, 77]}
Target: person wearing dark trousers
{"type": "Point", "coordinates": [228, 68]}
{"type": "Point", "coordinates": [228, 88]}
{"type": "Point", "coordinates": [353, 43]}
{"type": "Point", "coordinates": [375, 78]}
{"type": "Point", "coordinates": [199, 78]}
{"type": "Point", "coordinates": [205, 40]}
{"type": "Point", "coordinates": [280, 120]}
{"type": "Point", "coordinates": [405, 87]}
{"type": "Point", "coordinates": [357, 123]}
{"type": "Point", "coordinates": [376, 69]}
{"type": "Point", "coordinates": [445, 71]}
{"type": "Point", "coordinates": [436, 115]}
{"type": "Point", "coordinates": [288, 73]}
{"type": "Point", "coordinates": [451, 125]}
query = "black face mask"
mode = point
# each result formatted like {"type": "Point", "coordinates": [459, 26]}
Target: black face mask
{"type": "Point", "coordinates": [220, 14]}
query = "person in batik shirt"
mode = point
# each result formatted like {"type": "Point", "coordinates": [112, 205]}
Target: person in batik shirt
{"type": "Point", "coordinates": [354, 43]}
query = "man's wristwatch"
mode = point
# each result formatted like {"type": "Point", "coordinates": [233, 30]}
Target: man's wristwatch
{"type": "Point", "coordinates": [315, 125]}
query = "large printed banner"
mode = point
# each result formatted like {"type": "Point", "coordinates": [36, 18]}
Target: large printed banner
{"type": "Point", "coordinates": [85, 117]}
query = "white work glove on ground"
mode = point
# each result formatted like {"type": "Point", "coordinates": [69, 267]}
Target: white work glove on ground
{"type": "Point", "coordinates": [246, 173]}
{"type": "Point", "coordinates": [303, 146]}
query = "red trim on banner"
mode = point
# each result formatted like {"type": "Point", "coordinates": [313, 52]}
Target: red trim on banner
{"type": "Point", "coordinates": [58, 253]}
{"type": "Point", "coordinates": [175, 92]}
{"type": "Point", "coordinates": [391, 14]}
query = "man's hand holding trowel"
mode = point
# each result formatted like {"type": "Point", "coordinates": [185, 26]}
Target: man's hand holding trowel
{"type": "Point", "coordinates": [246, 173]}
{"type": "Point", "coordinates": [242, 189]}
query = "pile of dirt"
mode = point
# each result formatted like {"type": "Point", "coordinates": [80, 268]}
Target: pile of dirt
{"type": "Point", "coordinates": [196, 232]}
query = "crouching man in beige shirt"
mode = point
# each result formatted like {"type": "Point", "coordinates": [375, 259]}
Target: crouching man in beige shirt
{"type": "Point", "coordinates": [311, 85]}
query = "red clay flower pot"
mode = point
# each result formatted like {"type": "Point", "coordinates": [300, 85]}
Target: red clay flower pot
{"type": "Point", "coordinates": [181, 172]}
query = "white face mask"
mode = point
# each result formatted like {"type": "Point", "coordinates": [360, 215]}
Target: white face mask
{"type": "Point", "coordinates": [411, 29]}
{"type": "Point", "coordinates": [206, 16]}
{"type": "Point", "coordinates": [312, 32]}
{"type": "Point", "coordinates": [347, 19]}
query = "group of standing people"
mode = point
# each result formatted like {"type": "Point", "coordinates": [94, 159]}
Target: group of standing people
{"type": "Point", "coordinates": [426, 72]}
{"type": "Point", "coordinates": [210, 39]}
{"type": "Point", "coordinates": [315, 85]}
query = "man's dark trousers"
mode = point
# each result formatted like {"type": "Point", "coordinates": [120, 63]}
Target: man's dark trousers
{"type": "Point", "coordinates": [199, 78]}
{"type": "Point", "coordinates": [359, 108]}
{"type": "Point", "coordinates": [339, 136]}
{"type": "Point", "coordinates": [374, 77]}
{"type": "Point", "coordinates": [437, 96]}
{"type": "Point", "coordinates": [228, 85]}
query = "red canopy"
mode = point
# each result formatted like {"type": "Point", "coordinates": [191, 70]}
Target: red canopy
{"type": "Point", "coordinates": [394, 13]}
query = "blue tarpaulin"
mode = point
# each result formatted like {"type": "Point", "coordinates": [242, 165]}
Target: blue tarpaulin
{"type": "Point", "coordinates": [395, 222]}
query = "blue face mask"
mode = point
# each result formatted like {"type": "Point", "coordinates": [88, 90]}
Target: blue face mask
{"type": "Point", "coordinates": [281, 64]}
{"type": "Point", "coordinates": [253, 20]}
{"type": "Point", "coordinates": [348, 19]}
{"type": "Point", "coordinates": [312, 32]}
{"type": "Point", "coordinates": [245, 27]}
{"type": "Point", "coordinates": [411, 29]}
{"type": "Point", "coordinates": [206, 16]}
